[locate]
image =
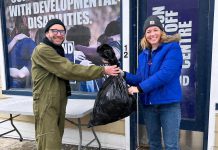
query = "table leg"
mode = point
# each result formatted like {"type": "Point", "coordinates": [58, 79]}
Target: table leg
{"type": "Point", "coordinates": [12, 123]}
{"type": "Point", "coordinates": [80, 134]}
{"type": "Point", "coordinates": [96, 138]}
{"type": "Point", "coordinates": [79, 125]}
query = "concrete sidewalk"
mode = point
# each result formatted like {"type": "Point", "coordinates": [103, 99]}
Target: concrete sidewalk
{"type": "Point", "coordinates": [15, 144]}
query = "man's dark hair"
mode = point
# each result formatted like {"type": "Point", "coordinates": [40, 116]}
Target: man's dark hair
{"type": "Point", "coordinates": [53, 22]}
{"type": "Point", "coordinates": [79, 34]}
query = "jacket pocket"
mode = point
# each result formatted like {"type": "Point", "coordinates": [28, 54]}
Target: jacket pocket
{"type": "Point", "coordinates": [36, 97]}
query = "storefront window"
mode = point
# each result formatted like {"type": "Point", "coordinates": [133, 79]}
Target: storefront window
{"type": "Point", "coordinates": [88, 23]}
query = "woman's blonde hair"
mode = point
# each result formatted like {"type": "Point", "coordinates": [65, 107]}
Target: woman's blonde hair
{"type": "Point", "coordinates": [163, 39]}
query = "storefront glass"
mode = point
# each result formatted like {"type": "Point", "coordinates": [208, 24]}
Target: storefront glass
{"type": "Point", "coordinates": [89, 23]}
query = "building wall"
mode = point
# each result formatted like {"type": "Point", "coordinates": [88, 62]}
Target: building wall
{"type": "Point", "coordinates": [213, 115]}
{"type": "Point", "coordinates": [2, 68]}
{"type": "Point", "coordinates": [111, 135]}
{"type": "Point", "coordinates": [71, 135]}
{"type": "Point", "coordinates": [216, 133]}
{"type": "Point", "coordinates": [115, 128]}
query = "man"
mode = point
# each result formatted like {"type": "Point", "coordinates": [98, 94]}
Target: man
{"type": "Point", "coordinates": [51, 73]}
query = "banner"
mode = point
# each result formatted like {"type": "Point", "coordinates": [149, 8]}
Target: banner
{"type": "Point", "coordinates": [182, 20]}
{"type": "Point", "coordinates": [89, 23]}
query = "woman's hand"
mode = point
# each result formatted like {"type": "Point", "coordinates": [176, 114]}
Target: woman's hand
{"type": "Point", "coordinates": [132, 90]}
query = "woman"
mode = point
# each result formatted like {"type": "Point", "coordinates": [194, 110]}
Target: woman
{"type": "Point", "coordinates": [158, 85]}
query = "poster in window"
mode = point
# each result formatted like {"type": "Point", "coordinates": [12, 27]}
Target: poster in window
{"type": "Point", "coordinates": [88, 23]}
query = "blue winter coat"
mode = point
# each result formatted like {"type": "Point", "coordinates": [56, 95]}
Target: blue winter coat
{"type": "Point", "coordinates": [160, 80]}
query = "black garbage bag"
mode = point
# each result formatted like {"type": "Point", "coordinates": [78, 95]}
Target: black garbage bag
{"type": "Point", "coordinates": [112, 102]}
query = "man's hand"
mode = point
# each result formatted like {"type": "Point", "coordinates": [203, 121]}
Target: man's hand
{"type": "Point", "coordinates": [111, 70]}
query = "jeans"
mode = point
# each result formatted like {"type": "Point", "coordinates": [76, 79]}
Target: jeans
{"type": "Point", "coordinates": [167, 117]}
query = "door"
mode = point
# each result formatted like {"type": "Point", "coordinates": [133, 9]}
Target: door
{"type": "Point", "coordinates": [192, 20]}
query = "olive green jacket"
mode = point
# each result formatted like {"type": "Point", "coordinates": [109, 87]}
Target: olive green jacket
{"type": "Point", "coordinates": [49, 69]}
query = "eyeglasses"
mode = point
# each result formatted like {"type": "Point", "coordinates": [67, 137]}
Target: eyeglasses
{"type": "Point", "coordinates": [56, 31]}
